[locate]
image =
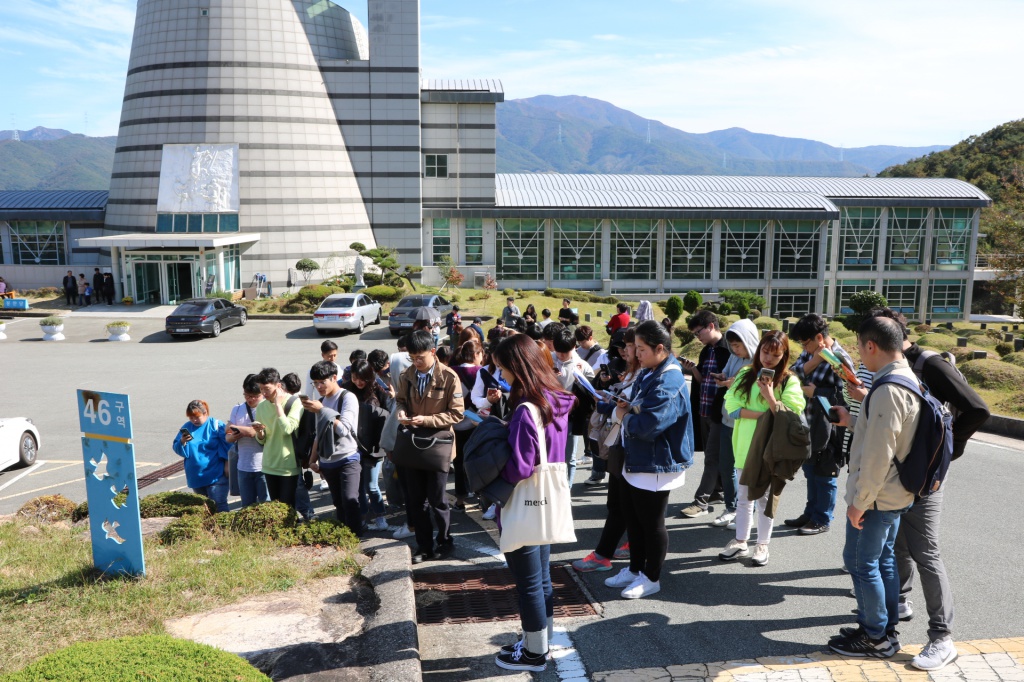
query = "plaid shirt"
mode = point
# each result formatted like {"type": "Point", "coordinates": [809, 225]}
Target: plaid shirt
{"type": "Point", "coordinates": [822, 376]}
{"type": "Point", "coordinates": [708, 387]}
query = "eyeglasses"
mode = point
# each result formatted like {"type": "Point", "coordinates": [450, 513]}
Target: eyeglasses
{"type": "Point", "coordinates": [698, 332]}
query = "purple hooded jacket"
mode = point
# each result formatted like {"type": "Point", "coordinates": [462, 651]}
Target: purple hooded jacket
{"type": "Point", "coordinates": [522, 436]}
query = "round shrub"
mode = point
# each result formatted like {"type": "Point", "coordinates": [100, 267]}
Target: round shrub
{"type": "Point", "coordinates": [326, 532]}
{"type": "Point", "coordinates": [384, 293]}
{"type": "Point", "coordinates": [754, 313]}
{"type": "Point", "coordinates": [1004, 348]}
{"type": "Point", "coordinates": [176, 503]}
{"type": "Point", "coordinates": [727, 319]}
{"type": "Point", "coordinates": [673, 307]}
{"type": "Point", "coordinates": [313, 293]}
{"type": "Point", "coordinates": [223, 520]}
{"type": "Point", "coordinates": [81, 512]}
{"type": "Point", "coordinates": [508, 292]}
{"type": "Point", "coordinates": [48, 508]}
{"type": "Point", "coordinates": [769, 323]}
{"type": "Point", "coordinates": [188, 527]}
{"type": "Point", "coordinates": [684, 335]}
{"type": "Point", "coordinates": [274, 519]}
{"type": "Point", "coordinates": [161, 657]}
{"type": "Point", "coordinates": [724, 309]}
{"type": "Point", "coordinates": [743, 309]}
{"type": "Point", "coordinates": [690, 303]}
{"type": "Point", "coordinates": [993, 374]}
{"type": "Point", "coordinates": [1014, 358]}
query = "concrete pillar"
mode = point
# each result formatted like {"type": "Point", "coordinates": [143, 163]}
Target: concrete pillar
{"type": "Point", "coordinates": [221, 282]}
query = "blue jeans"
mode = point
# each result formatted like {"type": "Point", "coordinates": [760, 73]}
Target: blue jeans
{"type": "Point", "coordinates": [218, 492]}
{"type": "Point", "coordinates": [252, 487]}
{"type": "Point", "coordinates": [727, 468]}
{"type": "Point", "coordinates": [871, 560]}
{"type": "Point", "coordinates": [531, 567]}
{"type": "Point", "coordinates": [571, 442]}
{"type": "Point", "coordinates": [821, 496]}
{"type": "Point", "coordinates": [370, 499]}
{"type": "Point", "coordinates": [302, 503]}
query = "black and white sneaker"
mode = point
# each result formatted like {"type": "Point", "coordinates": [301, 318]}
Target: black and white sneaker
{"type": "Point", "coordinates": [857, 632]}
{"type": "Point", "coordinates": [518, 644]}
{"type": "Point", "coordinates": [863, 646]}
{"type": "Point", "coordinates": [521, 659]}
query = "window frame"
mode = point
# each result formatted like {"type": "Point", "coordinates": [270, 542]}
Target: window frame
{"type": "Point", "coordinates": [434, 164]}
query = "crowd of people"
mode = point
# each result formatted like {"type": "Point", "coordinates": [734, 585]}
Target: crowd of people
{"type": "Point", "coordinates": [81, 291]}
{"type": "Point", "coordinates": [510, 413]}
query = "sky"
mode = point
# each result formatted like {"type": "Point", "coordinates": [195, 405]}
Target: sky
{"type": "Point", "coordinates": [901, 72]}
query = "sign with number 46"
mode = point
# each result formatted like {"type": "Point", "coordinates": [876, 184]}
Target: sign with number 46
{"type": "Point", "coordinates": [106, 415]}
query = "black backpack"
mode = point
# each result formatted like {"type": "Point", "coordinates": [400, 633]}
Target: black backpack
{"type": "Point", "coordinates": [303, 435]}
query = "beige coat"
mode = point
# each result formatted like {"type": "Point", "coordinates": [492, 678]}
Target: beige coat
{"type": "Point", "coordinates": [880, 435]}
{"type": "Point", "coordinates": [441, 405]}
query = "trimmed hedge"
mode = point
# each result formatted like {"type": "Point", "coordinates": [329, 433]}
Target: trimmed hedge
{"type": "Point", "coordinates": [993, 374]}
{"type": "Point", "coordinates": [769, 323]}
{"type": "Point", "coordinates": [176, 503]}
{"type": "Point", "coordinates": [581, 296]}
{"type": "Point", "coordinates": [147, 657]}
{"type": "Point", "coordinates": [384, 293]}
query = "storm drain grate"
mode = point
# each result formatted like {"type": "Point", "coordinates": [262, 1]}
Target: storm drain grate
{"type": "Point", "coordinates": [478, 596]}
{"type": "Point", "coordinates": [161, 474]}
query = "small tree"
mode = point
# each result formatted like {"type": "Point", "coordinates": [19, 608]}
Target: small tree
{"type": "Point", "coordinates": [743, 309]}
{"type": "Point", "coordinates": [409, 271]}
{"type": "Point", "coordinates": [307, 266]}
{"type": "Point", "coordinates": [691, 301]}
{"type": "Point", "coordinates": [450, 274]}
{"type": "Point", "coordinates": [490, 284]}
{"type": "Point", "coordinates": [674, 307]}
{"type": "Point", "coordinates": [861, 303]}
{"type": "Point", "coordinates": [752, 299]}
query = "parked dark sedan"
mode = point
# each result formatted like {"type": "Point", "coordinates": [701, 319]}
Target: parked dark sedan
{"type": "Point", "coordinates": [204, 316]}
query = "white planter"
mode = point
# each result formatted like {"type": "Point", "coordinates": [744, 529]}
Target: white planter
{"type": "Point", "coordinates": [53, 332]}
{"type": "Point", "coordinates": [118, 334]}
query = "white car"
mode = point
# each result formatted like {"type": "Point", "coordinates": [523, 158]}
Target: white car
{"type": "Point", "coordinates": [19, 442]}
{"type": "Point", "coordinates": [346, 312]}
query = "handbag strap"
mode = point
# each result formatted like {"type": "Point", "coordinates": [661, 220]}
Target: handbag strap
{"type": "Point", "coordinates": [542, 439]}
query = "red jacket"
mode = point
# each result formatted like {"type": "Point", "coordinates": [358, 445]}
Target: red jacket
{"type": "Point", "coordinates": [617, 322]}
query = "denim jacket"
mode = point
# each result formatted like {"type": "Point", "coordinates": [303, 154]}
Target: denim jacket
{"type": "Point", "coordinates": [659, 439]}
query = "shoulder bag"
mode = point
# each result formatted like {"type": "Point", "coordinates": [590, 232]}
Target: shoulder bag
{"type": "Point", "coordinates": [423, 448]}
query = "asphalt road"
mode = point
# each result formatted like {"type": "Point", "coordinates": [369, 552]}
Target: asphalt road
{"type": "Point", "coordinates": [707, 610]}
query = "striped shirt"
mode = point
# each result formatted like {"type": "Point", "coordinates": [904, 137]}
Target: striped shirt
{"type": "Point", "coordinates": [866, 376]}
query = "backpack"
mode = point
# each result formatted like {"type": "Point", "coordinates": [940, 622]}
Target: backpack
{"type": "Point", "coordinates": [923, 470]}
{"type": "Point", "coordinates": [927, 355]}
{"type": "Point", "coordinates": [303, 435]}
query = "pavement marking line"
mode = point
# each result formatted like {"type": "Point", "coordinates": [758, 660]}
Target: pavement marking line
{"type": "Point", "coordinates": [23, 474]}
{"type": "Point", "coordinates": [78, 461]}
{"type": "Point", "coordinates": [567, 660]}
{"type": "Point", "coordinates": [58, 468]}
{"type": "Point", "coordinates": [37, 490]}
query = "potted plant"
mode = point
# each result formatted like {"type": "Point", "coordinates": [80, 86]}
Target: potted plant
{"type": "Point", "coordinates": [118, 331]}
{"type": "Point", "coordinates": [53, 328]}
{"type": "Point", "coordinates": [127, 300]}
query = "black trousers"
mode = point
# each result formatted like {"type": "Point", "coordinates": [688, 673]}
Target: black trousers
{"type": "Point", "coordinates": [427, 499]}
{"type": "Point", "coordinates": [648, 537]}
{"type": "Point", "coordinates": [343, 482]}
{"type": "Point", "coordinates": [282, 488]}
{"type": "Point", "coordinates": [615, 523]}
{"type": "Point", "coordinates": [71, 295]}
{"type": "Point", "coordinates": [458, 467]}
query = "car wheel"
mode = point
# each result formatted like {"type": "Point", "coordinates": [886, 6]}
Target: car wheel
{"type": "Point", "coordinates": [321, 332]}
{"type": "Point", "coordinates": [377, 321]}
{"type": "Point", "coordinates": [362, 326]}
{"type": "Point", "coordinates": [215, 331]}
{"type": "Point", "coordinates": [395, 332]}
{"type": "Point", "coordinates": [243, 319]}
{"type": "Point", "coordinates": [27, 449]}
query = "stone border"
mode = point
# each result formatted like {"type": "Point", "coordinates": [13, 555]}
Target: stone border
{"type": "Point", "coordinates": [389, 643]}
{"type": "Point", "coordinates": [1010, 427]}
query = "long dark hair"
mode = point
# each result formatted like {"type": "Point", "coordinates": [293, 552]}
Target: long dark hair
{"type": "Point", "coordinates": [632, 365]}
{"type": "Point", "coordinates": [770, 340]}
{"type": "Point", "coordinates": [362, 369]}
{"type": "Point", "coordinates": [521, 356]}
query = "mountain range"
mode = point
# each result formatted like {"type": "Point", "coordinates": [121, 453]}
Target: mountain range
{"type": "Point", "coordinates": [542, 134]}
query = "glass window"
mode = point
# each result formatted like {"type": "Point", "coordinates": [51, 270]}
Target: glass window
{"type": "Point", "coordinates": [952, 234]}
{"type": "Point", "coordinates": [743, 248]}
{"type": "Point", "coordinates": [436, 165]}
{"type": "Point", "coordinates": [847, 288]}
{"type": "Point", "coordinates": [38, 242]}
{"type": "Point", "coordinates": [903, 295]}
{"type": "Point", "coordinates": [181, 222]}
{"type": "Point", "coordinates": [440, 240]}
{"type": "Point", "coordinates": [688, 249]}
{"type": "Point", "coordinates": [209, 222]}
{"type": "Point", "coordinates": [520, 249]}
{"type": "Point", "coordinates": [195, 222]}
{"type": "Point", "coordinates": [858, 238]}
{"type": "Point", "coordinates": [164, 222]}
{"type": "Point", "coordinates": [229, 222]}
{"type": "Point", "coordinates": [793, 302]}
{"type": "Point", "coordinates": [634, 249]}
{"type": "Point", "coordinates": [474, 241]}
{"type": "Point", "coordinates": [577, 249]}
{"type": "Point", "coordinates": [906, 237]}
{"type": "Point", "coordinates": [946, 297]}
{"type": "Point", "coordinates": [795, 255]}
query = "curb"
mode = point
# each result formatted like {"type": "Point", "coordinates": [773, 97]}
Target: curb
{"type": "Point", "coordinates": [1010, 427]}
{"type": "Point", "coordinates": [390, 639]}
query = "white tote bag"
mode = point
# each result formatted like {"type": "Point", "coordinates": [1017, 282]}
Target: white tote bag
{"type": "Point", "coordinates": [539, 512]}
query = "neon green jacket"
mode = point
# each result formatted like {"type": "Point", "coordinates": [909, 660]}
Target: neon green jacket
{"type": "Point", "coordinates": [789, 395]}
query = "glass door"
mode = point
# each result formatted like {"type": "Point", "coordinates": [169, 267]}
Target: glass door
{"type": "Point", "coordinates": [179, 282]}
{"type": "Point", "coordinates": [147, 282]}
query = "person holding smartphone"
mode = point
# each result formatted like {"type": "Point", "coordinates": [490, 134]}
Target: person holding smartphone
{"type": "Point", "coordinates": [274, 429]}
{"type": "Point", "coordinates": [765, 385]}
{"type": "Point", "coordinates": [201, 442]}
{"type": "Point", "coordinates": [251, 484]}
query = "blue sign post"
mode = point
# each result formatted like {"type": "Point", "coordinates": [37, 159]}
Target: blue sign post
{"type": "Point", "coordinates": [109, 458]}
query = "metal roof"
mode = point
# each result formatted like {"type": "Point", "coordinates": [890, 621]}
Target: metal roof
{"type": "Point", "coordinates": [143, 240]}
{"type": "Point", "coordinates": [69, 200]}
{"type": "Point", "coordinates": [655, 199]}
{"type": "Point", "coordinates": [462, 85]}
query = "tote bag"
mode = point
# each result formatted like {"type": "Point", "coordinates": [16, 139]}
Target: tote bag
{"type": "Point", "coordinates": [539, 511]}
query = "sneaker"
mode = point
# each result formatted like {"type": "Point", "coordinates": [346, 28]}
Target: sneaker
{"type": "Point", "coordinates": [403, 532]}
{"type": "Point", "coordinates": [379, 524]}
{"type": "Point", "coordinates": [863, 646]}
{"type": "Point", "coordinates": [623, 578]}
{"type": "Point", "coordinates": [641, 587]}
{"type": "Point", "coordinates": [584, 461]}
{"type": "Point", "coordinates": [734, 550]}
{"type": "Point", "coordinates": [445, 548]}
{"type": "Point", "coordinates": [760, 557]}
{"type": "Point", "coordinates": [509, 648]}
{"type": "Point", "coordinates": [595, 479]}
{"type": "Point", "coordinates": [491, 512]}
{"type": "Point", "coordinates": [935, 655]}
{"type": "Point", "coordinates": [906, 610]}
{"type": "Point", "coordinates": [419, 556]}
{"type": "Point", "coordinates": [724, 518]}
{"type": "Point", "coordinates": [731, 525]}
{"type": "Point", "coordinates": [798, 522]}
{"type": "Point", "coordinates": [592, 562]}
{"type": "Point", "coordinates": [622, 552]}
{"type": "Point", "coordinates": [323, 485]}
{"type": "Point", "coordinates": [717, 497]}
{"type": "Point", "coordinates": [521, 659]}
{"type": "Point", "coordinates": [693, 511]}
{"type": "Point", "coordinates": [857, 632]}
{"type": "Point", "coordinates": [814, 529]}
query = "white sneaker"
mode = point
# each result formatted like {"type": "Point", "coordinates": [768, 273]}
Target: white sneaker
{"type": "Point", "coordinates": [323, 485]}
{"type": "Point", "coordinates": [623, 578]}
{"type": "Point", "coordinates": [760, 557]}
{"type": "Point", "coordinates": [641, 587]}
{"type": "Point", "coordinates": [935, 655]}
{"type": "Point", "coordinates": [379, 524]}
{"type": "Point", "coordinates": [734, 550]}
{"type": "Point", "coordinates": [403, 532]}
{"type": "Point", "coordinates": [731, 525]}
{"type": "Point", "coordinates": [491, 512]}
{"type": "Point", "coordinates": [724, 518]}
{"type": "Point", "coordinates": [906, 610]}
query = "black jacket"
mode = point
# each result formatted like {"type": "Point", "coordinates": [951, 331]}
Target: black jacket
{"type": "Point", "coordinates": [722, 353]}
{"type": "Point", "coordinates": [97, 283]}
{"type": "Point", "coordinates": [946, 384]}
{"type": "Point", "coordinates": [486, 453]}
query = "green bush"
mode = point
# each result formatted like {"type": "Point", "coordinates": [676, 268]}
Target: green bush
{"type": "Point", "coordinates": [81, 512]}
{"type": "Point", "coordinates": [743, 309]}
{"type": "Point", "coordinates": [188, 527]}
{"type": "Point", "coordinates": [147, 657]}
{"type": "Point", "coordinates": [314, 293]}
{"type": "Point", "coordinates": [922, 328]}
{"type": "Point", "coordinates": [581, 296]}
{"type": "Point", "coordinates": [754, 313]}
{"type": "Point", "coordinates": [769, 323]}
{"type": "Point", "coordinates": [684, 335]}
{"type": "Point", "coordinates": [51, 321]}
{"type": "Point", "coordinates": [993, 374]}
{"type": "Point", "coordinates": [223, 520]}
{"type": "Point", "coordinates": [691, 302]}
{"type": "Point", "coordinates": [861, 303]}
{"type": "Point", "coordinates": [724, 309]}
{"type": "Point", "coordinates": [383, 292]}
{"type": "Point", "coordinates": [48, 508]}
{"type": "Point", "coordinates": [674, 307]}
{"type": "Point", "coordinates": [326, 532]}
{"type": "Point", "coordinates": [274, 519]}
{"type": "Point", "coordinates": [1014, 359]}
{"type": "Point", "coordinates": [1004, 348]}
{"type": "Point", "coordinates": [508, 292]}
{"type": "Point", "coordinates": [175, 503]}
{"type": "Point", "coordinates": [751, 298]}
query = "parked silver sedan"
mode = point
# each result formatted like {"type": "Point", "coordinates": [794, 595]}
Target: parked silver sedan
{"type": "Point", "coordinates": [346, 312]}
{"type": "Point", "coordinates": [399, 321]}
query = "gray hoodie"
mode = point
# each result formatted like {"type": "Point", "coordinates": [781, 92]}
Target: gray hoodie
{"type": "Point", "coordinates": [336, 440]}
{"type": "Point", "coordinates": [750, 336]}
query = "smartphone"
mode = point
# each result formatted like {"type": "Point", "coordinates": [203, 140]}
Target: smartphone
{"type": "Point", "coordinates": [257, 425]}
{"type": "Point", "coordinates": [770, 373]}
{"type": "Point", "coordinates": [234, 429]}
{"type": "Point", "coordinates": [185, 434]}
{"type": "Point", "coordinates": [473, 416]}
{"type": "Point", "coordinates": [382, 384]}
{"type": "Point", "coordinates": [830, 414]}
{"type": "Point", "coordinates": [303, 396]}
